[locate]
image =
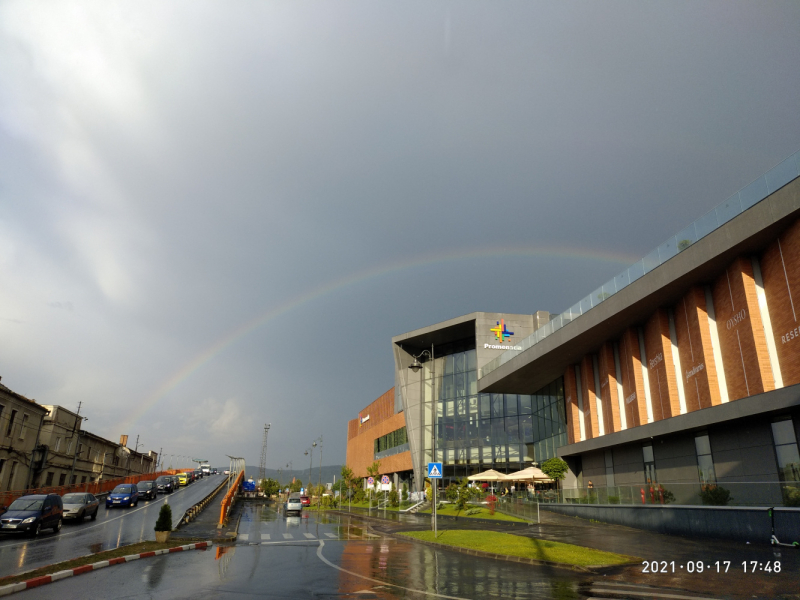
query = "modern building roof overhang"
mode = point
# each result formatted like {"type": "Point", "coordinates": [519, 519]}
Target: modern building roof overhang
{"type": "Point", "coordinates": [453, 330]}
{"type": "Point", "coordinates": [748, 233]}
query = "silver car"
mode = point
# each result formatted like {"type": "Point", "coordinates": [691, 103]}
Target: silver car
{"type": "Point", "coordinates": [294, 504]}
{"type": "Point", "coordinates": [78, 506]}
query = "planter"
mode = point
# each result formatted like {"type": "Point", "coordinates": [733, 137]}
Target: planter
{"type": "Point", "coordinates": [162, 536]}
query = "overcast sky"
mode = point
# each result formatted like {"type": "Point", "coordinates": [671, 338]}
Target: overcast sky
{"type": "Point", "coordinates": [215, 215]}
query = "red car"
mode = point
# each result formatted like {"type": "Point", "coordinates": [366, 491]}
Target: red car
{"type": "Point", "coordinates": [305, 500]}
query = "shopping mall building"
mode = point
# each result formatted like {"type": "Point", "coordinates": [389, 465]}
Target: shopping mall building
{"type": "Point", "coordinates": [681, 370]}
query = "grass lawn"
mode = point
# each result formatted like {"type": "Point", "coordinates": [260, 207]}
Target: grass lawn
{"type": "Point", "coordinates": [93, 558]}
{"type": "Point", "coordinates": [450, 510]}
{"type": "Point", "coordinates": [515, 545]}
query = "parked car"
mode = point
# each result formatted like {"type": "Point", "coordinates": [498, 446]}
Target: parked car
{"type": "Point", "coordinates": [165, 485]}
{"type": "Point", "coordinates": [78, 506]}
{"type": "Point", "coordinates": [183, 479]}
{"type": "Point", "coordinates": [33, 513]}
{"type": "Point", "coordinates": [125, 494]}
{"type": "Point", "coordinates": [175, 481]}
{"type": "Point", "coordinates": [148, 490]}
{"type": "Point", "coordinates": [305, 500]}
{"type": "Point", "coordinates": [294, 504]}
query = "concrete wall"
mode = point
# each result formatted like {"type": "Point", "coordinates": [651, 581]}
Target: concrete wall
{"type": "Point", "coordinates": [744, 524]}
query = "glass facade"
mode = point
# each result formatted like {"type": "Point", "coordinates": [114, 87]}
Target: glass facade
{"type": "Point", "coordinates": [505, 432]}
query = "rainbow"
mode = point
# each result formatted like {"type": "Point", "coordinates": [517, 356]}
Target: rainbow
{"type": "Point", "coordinates": [262, 319]}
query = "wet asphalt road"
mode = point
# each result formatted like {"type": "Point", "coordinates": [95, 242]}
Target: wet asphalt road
{"type": "Point", "coordinates": [113, 528]}
{"type": "Point", "coordinates": [334, 556]}
{"type": "Point", "coordinates": [315, 557]}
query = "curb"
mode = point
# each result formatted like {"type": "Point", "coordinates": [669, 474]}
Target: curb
{"type": "Point", "coordinates": [45, 579]}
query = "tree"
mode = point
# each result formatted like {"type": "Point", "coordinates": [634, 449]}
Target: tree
{"type": "Point", "coordinates": [394, 497]}
{"type": "Point", "coordinates": [347, 478]}
{"type": "Point", "coordinates": [555, 468]}
{"type": "Point", "coordinates": [270, 487]}
{"type": "Point", "coordinates": [295, 485]}
{"type": "Point", "coordinates": [405, 492]}
{"type": "Point", "coordinates": [465, 493]}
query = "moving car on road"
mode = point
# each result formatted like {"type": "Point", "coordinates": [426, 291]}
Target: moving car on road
{"type": "Point", "coordinates": [305, 500]}
{"type": "Point", "coordinates": [148, 490]}
{"type": "Point", "coordinates": [126, 494]}
{"type": "Point", "coordinates": [32, 514]}
{"type": "Point", "coordinates": [183, 479]}
{"type": "Point", "coordinates": [78, 506]}
{"type": "Point", "coordinates": [294, 504]}
{"type": "Point", "coordinates": [165, 485]}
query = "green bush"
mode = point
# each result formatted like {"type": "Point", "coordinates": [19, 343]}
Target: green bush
{"type": "Point", "coordinates": [394, 497]}
{"type": "Point", "coordinates": [164, 522]}
{"type": "Point", "coordinates": [714, 495]}
{"type": "Point", "coordinates": [405, 492]}
{"type": "Point", "coordinates": [451, 492]}
{"type": "Point", "coordinates": [791, 496]}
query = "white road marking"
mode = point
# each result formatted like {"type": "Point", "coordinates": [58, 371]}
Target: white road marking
{"type": "Point", "coordinates": [310, 536]}
{"type": "Point", "coordinates": [264, 536]}
{"type": "Point", "coordinates": [244, 536]}
{"type": "Point", "coordinates": [331, 535]}
{"type": "Point", "coordinates": [288, 536]}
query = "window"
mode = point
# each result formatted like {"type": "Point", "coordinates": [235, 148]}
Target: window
{"type": "Point", "coordinates": [80, 449]}
{"type": "Point", "coordinates": [62, 479]}
{"type": "Point", "coordinates": [11, 474]}
{"type": "Point", "coordinates": [49, 480]}
{"type": "Point", "coordinates": [83, 479]}
{"type": "Point", "coordinates": [11, 422]}
{"type": "Point", "coordinates": [2, 464]}
{"type": "Point", "coordinates": [2, 408]}
{"type": "Point", "coordinates": [649, 464]}
{"type": "Point", "coordinates": [73, 479]}
{"type": "Point", "coordinates": [609, 469]}
{"type": "Point", "coordinates": [69, 447]}
{"type": "Point", "coordinates": [705, 463]}
{"type": "Point", "coordinates": [57, 447]}
{"type": "Point", "coordinates": [786, 449]}
{"type": "Point", "coordinates": [24, 427]}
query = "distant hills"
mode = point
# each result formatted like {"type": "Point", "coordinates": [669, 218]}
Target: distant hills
{"type": "Point", "coordinates": [328, 473]}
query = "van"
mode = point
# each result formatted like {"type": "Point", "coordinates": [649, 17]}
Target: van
{"type": "Point", "coordinates": [31, 514]}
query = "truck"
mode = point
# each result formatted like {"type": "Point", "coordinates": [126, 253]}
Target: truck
{"type": "Point", "coordinates": [206, 469]}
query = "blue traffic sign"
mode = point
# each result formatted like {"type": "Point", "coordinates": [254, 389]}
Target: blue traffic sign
{"type": "Point", "coordinates": [435, 470]}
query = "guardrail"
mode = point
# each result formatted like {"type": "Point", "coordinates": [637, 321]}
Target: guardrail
{"type": "Point", "coordinates": [196, 509]}
{"type": "Point", "coordinates": [227, 501]}
{"type": "Point", "coordinates": [98, 488]}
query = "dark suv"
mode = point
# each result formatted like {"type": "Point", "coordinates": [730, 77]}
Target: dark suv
{"type": "Point", "coordinates": [32, 514]}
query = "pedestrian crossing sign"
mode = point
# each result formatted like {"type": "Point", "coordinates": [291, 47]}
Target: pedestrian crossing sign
{"type": "Point", "coordinates": [435, 470]}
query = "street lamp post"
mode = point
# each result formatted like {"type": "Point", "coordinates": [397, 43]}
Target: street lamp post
{"type": "Point", "coordinates": [415, 366]}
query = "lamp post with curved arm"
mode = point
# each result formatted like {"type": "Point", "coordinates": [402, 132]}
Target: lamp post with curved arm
{"type": "Point", "coordinates": [415, 366]}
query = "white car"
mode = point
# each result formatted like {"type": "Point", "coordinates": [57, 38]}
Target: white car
{"type": "Point", "coordinates": [294, 504]}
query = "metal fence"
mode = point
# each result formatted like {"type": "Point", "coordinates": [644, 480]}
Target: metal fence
{"type": "Point", "coordinates": [740, 493]}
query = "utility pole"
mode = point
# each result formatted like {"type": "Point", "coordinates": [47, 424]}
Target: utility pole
{"type": "Point", "coordinates": [158, 459]}
{"type": "Point", "coordinates": [319, 479]}
{"type": "Point", "coordinates": [262, 467]}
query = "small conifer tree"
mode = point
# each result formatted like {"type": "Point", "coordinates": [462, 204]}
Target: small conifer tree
{"type": "Point", "coordinates": [164, 522]}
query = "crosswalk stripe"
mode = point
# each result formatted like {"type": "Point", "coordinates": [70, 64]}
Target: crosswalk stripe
{"type": "Point", "coordinates": [244, 537]}
{"type": "Point", "coordinates": [331, 535]}
{"type": "Point", "coordinates": [288, 536]}
{"type": "Point", "coordinates": [264, 536]}
{"type": "Point", "coordinates": [309, 536]}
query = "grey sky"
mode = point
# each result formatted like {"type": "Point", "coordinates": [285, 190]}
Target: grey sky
{"type": "Point", "coordinates": [334, 174]}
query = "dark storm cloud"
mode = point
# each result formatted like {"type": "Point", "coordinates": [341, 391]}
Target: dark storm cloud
{"type": "Point", "coordinates": [177, 172]}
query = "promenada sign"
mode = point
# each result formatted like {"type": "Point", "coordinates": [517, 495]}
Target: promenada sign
{"type": "Point", "coordinates": [501, 332]}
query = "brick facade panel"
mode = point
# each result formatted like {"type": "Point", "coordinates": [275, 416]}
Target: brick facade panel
{"type": "Point", "coordinates": [780, 269]}
{"type": "Point", "coordinates": [741, 332]}
{"type": "Point", "coordinates": [658, 349]}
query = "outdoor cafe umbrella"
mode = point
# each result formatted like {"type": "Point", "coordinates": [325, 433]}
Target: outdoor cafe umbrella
{"type": "Point", "coordinates": [529, 474]}
{"type": "Point", "coordinates": [490, 475]}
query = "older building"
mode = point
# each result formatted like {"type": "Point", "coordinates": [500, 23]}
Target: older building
{"type": "Point", "coordinates": [20, 422]}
